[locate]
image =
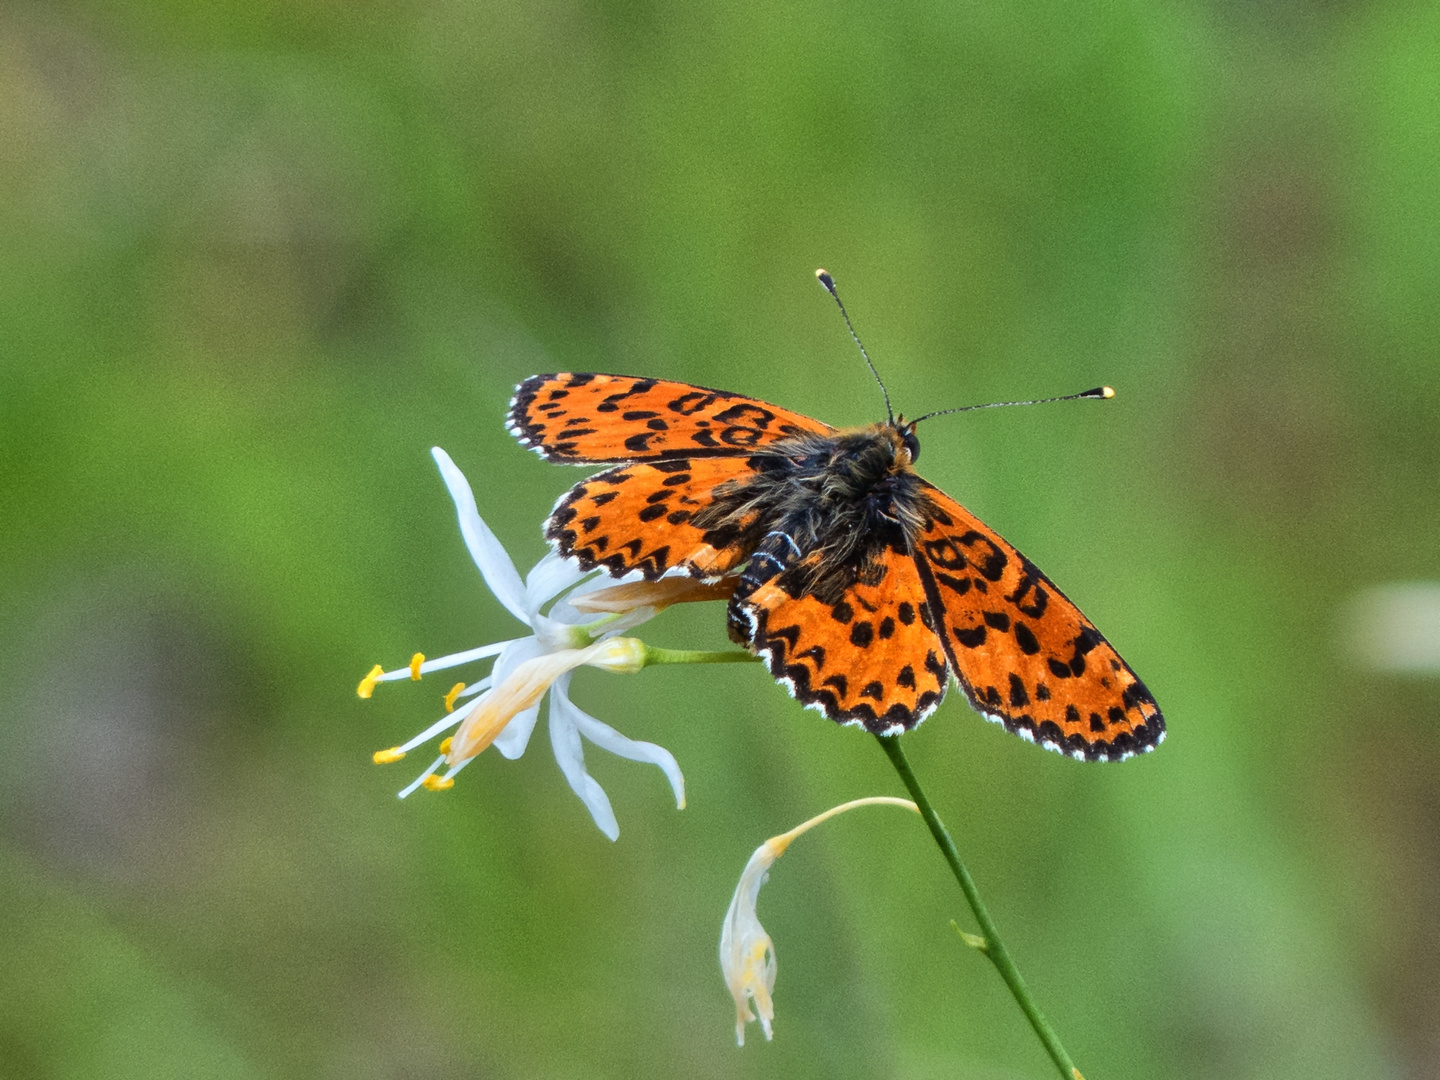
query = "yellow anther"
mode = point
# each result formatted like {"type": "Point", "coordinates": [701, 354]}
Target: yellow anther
{"type": "Point", "coordinates": [438, 783]}
{"type": "Point", "coordinates": [452, 695]}
{"type": "Point", "coordinates": [367, 684]}
{"type": "Point", "coordinates": [385, 757]}
{"type": "Point", "coordinates": [445, 746]}
{"type": "Point", "coordinates": [415, 662]}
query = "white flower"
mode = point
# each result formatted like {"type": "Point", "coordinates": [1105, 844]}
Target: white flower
{"type": "Point", "coordinates": [1395, 628]}
{"type": "Point", "coordinates": [747, 955]}
{"type": "Point", "coordinates": [508, 701]}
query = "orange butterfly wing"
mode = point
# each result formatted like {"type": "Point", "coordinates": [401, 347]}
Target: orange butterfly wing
{"type": "Point", "coordinates": [637, 517]}
{"type": "Point", "coordinates": [870, 658]}
{"type": "Point", "coordinates": [1024, 654]}
{"type": "Point", "coordinates": [587, 419]}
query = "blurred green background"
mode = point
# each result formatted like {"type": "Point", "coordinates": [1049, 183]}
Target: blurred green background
{"type": "Point", "coordinates": [255, 259]}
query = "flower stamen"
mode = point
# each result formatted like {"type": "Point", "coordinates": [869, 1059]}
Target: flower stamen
{"type": "Point", "coordinates": [419, 780]}
{"type": "Point", "coordinates": [419, 666]}
{"type": "Point", "coordinates": [455, 692]}
{"type": "Point", "coordinates": [367, 684]}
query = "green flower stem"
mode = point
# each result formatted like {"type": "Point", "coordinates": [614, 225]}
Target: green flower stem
{"type": "Point", "coordinates": [989, 943]}
{"type": "Point", "coordinates": [695, 656]}
{"type": "Point", "coordinates": [590, 632]}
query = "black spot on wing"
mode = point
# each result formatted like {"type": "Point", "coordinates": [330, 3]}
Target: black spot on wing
{"type": "Point", "coordinates": [970, 637]}
{"type": "Point", "coordinates": [1018, 697]}
{"type": "Point", "coordinates": [1025, 638]}
{"type": "Point", "coordinates": [997, 620]}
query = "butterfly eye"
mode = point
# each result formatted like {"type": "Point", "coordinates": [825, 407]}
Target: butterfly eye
{"type": "Point", "coordinates": [912, 444]}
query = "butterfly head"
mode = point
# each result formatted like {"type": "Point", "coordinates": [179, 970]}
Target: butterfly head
{"type": "Point", "coordinates": [908, 439]}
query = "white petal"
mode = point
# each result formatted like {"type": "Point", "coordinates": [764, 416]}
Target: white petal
{"type": "Point", "coordinates": [547, 578]}
{"type": "Point", "coordinates": [512, 741]}
{"type": "Point", "coordinates": [607, 738]}
{"type": "Point", "coordinates": [514, 654]}
{"type": "Point", "coordinates": [570, 755]}
{"type": "Point", "coordinates": [495, 565]}
{"type": "Point", "coordinates": [516, 737]}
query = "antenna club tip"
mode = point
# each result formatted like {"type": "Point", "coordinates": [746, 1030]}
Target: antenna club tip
{"type": "Point", "coordinates": [823, 276]}
{"type": "Point", "coordinates": [1107, 391]}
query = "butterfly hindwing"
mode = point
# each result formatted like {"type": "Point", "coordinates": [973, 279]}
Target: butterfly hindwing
{"type": "Point", "coordinates": [588, 419]}
{"type": "Point", "coordinates": [865, 655]}
{"type": "Point", "coordinates": [1024, 653]}
{"type": "Point", "coordinates": [638, 517]}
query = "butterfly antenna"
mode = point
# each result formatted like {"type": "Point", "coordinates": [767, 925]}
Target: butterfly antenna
{"type": "Point", "coordinates": [1100, 392]}
{"type": "Point", "coordinates": [829, 282]}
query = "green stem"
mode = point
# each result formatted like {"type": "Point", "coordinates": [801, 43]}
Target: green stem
{"type": "Point", "coordinates": [992, 946]}
{"type": "Point", "coordinates": [593, 630]}
{"type": "Point", "coordinates": [695, 656]}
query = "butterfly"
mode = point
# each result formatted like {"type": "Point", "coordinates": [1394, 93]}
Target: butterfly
{"type": "Point", "coordinates": [864, 587]}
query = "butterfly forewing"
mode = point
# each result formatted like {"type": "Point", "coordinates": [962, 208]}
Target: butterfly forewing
{"type": "Point", "coordinates": [1024, 653]}
{"type": "Point", "coordinates": [598, 419]}
{"type": "Point", "coordinates": [639, 517]}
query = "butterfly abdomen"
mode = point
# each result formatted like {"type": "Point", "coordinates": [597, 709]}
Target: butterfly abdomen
{"type": "Point", "coordinates": [776, 554]}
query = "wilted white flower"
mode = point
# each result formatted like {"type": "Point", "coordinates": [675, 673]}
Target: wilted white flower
{"type": "Point", "coordinates": [747, 955]}
{"type": "Point", "coordinates": [507, 701]}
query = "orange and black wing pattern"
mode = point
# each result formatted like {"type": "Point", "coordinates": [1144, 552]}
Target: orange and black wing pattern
{"type": "Point", "coordinates": [639, 517]}
{"type": "Point", "coordinates": [868, 657]}
{"type": "Point", "coordinates": [587, 419]}
{"type": "Point", "coordinates": [1024, 654]}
